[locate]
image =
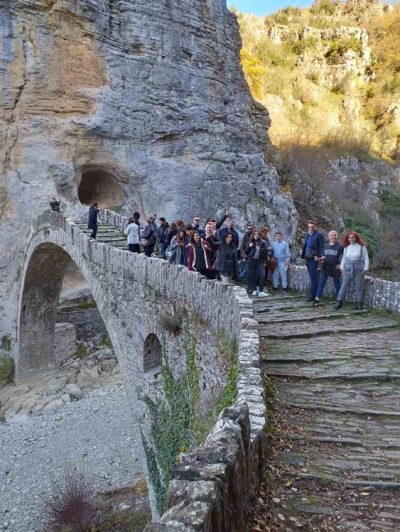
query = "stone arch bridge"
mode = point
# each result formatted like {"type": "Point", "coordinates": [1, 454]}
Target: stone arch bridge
{"type": "Point", "coordinates": [137, 297]}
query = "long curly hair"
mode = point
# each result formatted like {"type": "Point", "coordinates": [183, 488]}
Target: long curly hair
{"type": "Point", "coordinates": [359, 239]}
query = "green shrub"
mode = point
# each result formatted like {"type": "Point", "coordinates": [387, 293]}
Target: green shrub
{"type": "Point", "coordinates": [325, 7]}
{"type": "Point", "coordinates": [81, 351]}
{"type": "Point", "coordinates": [389, 206]}
{"type": "Point", "coordinates": [171, 323]}
{"type": "Point", "coordinates": [338, 48]}
{"type": "Point", "coordinates": [6, 369]}
{"type": "Point", "coordinates": [392, 85]}
{"type": "Point", "coordinates": [301, 46]}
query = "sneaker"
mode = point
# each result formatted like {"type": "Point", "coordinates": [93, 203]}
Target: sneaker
{"type": "Point", "coordinates": [286, 289]}
{"type": "Point", "coordinates": [317, 302]}
{"type": "Point", "coordinates": [263, 294]}
{"type": "Point", "coordinates": [255, 293]}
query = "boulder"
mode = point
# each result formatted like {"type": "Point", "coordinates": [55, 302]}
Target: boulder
{"type": "Point", "coordinates": [73, 391]}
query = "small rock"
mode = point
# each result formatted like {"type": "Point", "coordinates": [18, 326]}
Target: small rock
{"type": "Point", "coordinates": [55, 385]}
{"type": "Point", "coordinates": [105, 354]}
{"type": "Point", "coordinates": [53, 405]}
{"type": "Point", "coordinates": [88, 377]}
{"type": "Point", "coordinates": [65, 398]}
{"type": "Point", "coordinates": [73, 391]}
{"type": "Point", "coordinates": [108, 365]}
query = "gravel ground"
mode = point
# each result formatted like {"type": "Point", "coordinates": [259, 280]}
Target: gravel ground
{"type": "Point", "coordinates": [95, 435]}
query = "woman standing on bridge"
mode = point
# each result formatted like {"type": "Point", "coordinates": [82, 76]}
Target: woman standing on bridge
{"type": "Point", "coordinates": [132, 232]}
{"type": "Point", "coordinates": [354, 263]}
{"type": "Point", "coordinates": [199, 253]}
{"type": "Point", "coordinates": [178, 246]}
{"type": "Point", "coordinates": [257, 254]}
{"type": "Point", "coordinates": [226, 260]}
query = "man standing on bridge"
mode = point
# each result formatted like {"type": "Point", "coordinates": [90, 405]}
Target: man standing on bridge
{"type": "Point", "coordinates": [313, 250]}
{"type": "Point", "coordinates": [92, 219]}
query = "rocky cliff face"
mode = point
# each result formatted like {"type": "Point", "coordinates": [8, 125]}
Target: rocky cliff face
{"type": "Point", "coordinates": [135, 102]}
{"type": "Point", "coordinates": [145, 100]}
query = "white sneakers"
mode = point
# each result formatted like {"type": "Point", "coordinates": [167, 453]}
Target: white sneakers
{"type": "Point", "coordinates": [260, 294]}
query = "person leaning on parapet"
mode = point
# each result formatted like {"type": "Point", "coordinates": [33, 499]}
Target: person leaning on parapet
{"type": "Point", "coordinates": [132, 232]}
{"type": "Point", "coordinates": [330, 265]}
{"type": "Point", "coordinates": [55, 205]}
{"type": "Point", "coordinates": [281, 253]}
{"type": "Point", "coordinates": [312, 252]}
{"type": "Point", "coordinates": [162, 236]}
{"type": "Point", "coordinates": [149, 236]}
{"type": "Point", "coordinates": [355, 262]}
{"type": "Point", "coordinates": [92, 219]}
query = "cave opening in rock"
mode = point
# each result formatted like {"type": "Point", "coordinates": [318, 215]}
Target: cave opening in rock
{"type": "Point", "coordinates": [100, 186]}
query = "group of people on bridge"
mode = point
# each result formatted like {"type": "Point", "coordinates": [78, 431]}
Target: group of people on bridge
{"type": "Point", "coordinates": [216, 251]}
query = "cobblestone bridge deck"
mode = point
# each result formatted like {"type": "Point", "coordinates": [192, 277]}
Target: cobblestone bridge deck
{"type": "Point", "coordinates": [335, 427]}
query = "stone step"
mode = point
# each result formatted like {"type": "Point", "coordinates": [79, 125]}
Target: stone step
{"type": "Point", "coordinates": [306, 315]}
{"type": "Point", "coordinates": [366, 398]}
{"type": "Point", "coordinates": [323, 327]}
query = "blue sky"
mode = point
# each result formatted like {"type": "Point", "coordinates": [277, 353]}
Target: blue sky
{"type": "Point", "coordinates": [264, 7]}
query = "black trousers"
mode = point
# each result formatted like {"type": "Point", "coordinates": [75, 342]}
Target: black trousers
{"type": "Point", "coordinates": [94, 231]}
{"type": "Point", "coordinates": [206, 272]}
{"type": "Point", "coordinates": [135, 248]}
{"type": "Point", "coordinates": [148, 250]}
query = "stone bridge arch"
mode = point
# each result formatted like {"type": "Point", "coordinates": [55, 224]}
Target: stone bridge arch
{"type": "Point", "coordinates": [49, 252]}
{"type": "Point", "coordinates": [138, 299]}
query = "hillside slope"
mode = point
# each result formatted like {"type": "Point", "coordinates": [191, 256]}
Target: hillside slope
{"type": "Point", "coordinates": [330, 78]}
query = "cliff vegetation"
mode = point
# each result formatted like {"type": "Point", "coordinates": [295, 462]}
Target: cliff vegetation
{"type": "Point", "coordinates": [329, 76]}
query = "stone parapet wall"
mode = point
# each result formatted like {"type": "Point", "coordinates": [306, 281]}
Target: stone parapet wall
{"type": "Point", "coordinates": [378, 293]}
{"type": "Point", "coordinates": [203, 493]}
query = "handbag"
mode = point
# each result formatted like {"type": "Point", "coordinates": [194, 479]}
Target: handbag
{"type": "Point", "coordinates": [272, 264]}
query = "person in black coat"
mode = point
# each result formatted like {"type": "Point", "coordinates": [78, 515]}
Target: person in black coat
{"type": "Point", "coordinates": [313, 250]}
{"type": "Point", "coordinates": [92, 219]}
{"type": "Point", "coordinates": [226, 260]}
{"type": "Point", "coordinates": [257, 254]}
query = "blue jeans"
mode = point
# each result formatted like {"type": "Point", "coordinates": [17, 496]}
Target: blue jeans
{"type": "Point", "coordinates": [322, 282]}
{"type": "Point", "coordinates": [256, 276]}
{"type": "Point", "coordinates": [312, 267]}
{"type": "Point", "coordinates": [280, 270]}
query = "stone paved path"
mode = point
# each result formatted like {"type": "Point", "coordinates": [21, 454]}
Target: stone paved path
{"type": "Point", "coordinates": [335, 376]}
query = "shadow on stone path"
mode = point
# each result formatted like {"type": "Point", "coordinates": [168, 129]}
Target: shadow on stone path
{"type": "Point", "coordinates": [335, 423]}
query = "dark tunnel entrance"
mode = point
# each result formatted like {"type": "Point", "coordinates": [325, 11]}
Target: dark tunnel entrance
{"type": "Point", "coordinates": [100, 186]}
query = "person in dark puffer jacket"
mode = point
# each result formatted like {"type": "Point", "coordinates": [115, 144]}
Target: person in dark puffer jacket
{"type": "Point", "coordinates": [226, 260]}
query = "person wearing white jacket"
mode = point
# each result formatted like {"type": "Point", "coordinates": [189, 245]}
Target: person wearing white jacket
{"type": "Point", "coordinates": [132, 232]}
{"type": "Point", "coordinates": [355, 262]}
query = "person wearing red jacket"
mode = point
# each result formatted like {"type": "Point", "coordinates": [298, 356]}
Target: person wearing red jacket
{"type": "Point", "coordinates": [199, 256]}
